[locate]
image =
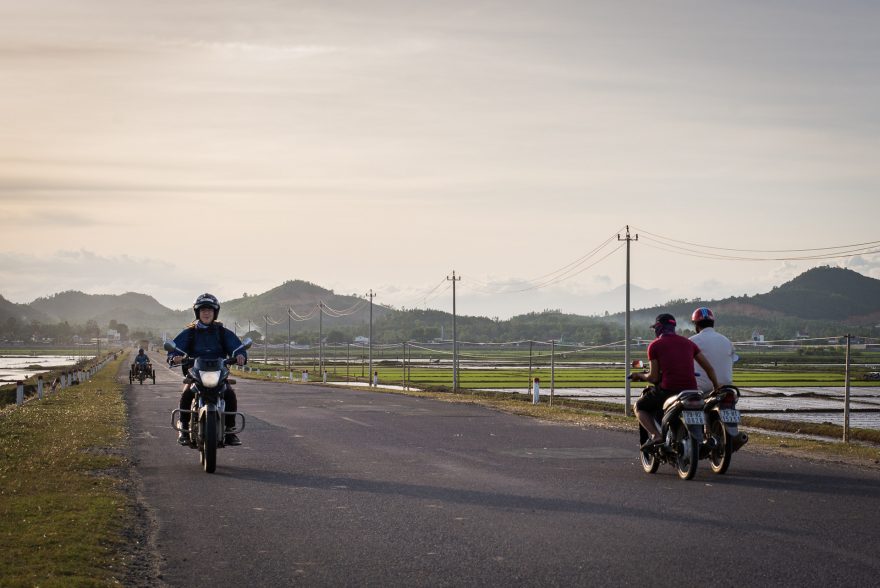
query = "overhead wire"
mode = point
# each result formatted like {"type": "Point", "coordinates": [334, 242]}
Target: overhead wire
{"type": "Point", "coordinates": [866, 243]}
{"type": "Point", "coordinates": [671, 246]}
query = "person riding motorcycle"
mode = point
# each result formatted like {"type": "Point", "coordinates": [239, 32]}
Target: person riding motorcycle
{"type": "Point", "coordinates": [206, 337]}
{"type": "Point", "coordinates": [715, 347]}
{"type": "Point", "coordinates": [141, 359]}
{"type": "Point", "coordinates": [672, 370]}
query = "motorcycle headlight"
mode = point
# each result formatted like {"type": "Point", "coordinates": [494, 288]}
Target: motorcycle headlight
{"type": "Point", "coordinates": [210, 379]}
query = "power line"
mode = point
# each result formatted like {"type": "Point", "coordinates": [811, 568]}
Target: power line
{"type": "Point", "coordinates": [670, 246]}
{"type": "Point", "coordinates": [867, 243]}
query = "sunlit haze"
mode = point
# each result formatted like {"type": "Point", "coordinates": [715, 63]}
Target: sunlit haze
{"type": "Point", "coordinates": [172, 148]}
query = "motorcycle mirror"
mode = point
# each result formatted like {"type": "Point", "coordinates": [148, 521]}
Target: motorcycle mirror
{"type": "Point", "coordinates": [169, 346]}
{"type": "Point", "coordinates": [247, 342]}
{"type": "Point", "coordinates": [638, 364]}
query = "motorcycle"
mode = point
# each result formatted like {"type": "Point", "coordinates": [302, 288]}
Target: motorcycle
{"type": "Point", "coordinates": [141, 372]}
{"type": "Point", "coordinates": [209, 380]}
{"type": "Point", "coordinates": [722, 427]}
{"type": "Point", "coordinates": [681, 425]}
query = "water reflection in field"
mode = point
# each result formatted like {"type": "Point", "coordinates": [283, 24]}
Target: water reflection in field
{"type": "Point", "coordinates": [20, 367]}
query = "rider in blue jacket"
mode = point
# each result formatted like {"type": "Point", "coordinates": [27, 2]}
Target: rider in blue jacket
{"type": "Point", "coordinates": [206, 337]}
{"type": "Point", "coordinates": [141, 358]}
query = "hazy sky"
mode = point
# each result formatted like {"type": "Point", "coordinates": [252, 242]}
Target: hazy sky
{"type": "Point", "coordinates": [176, 147]}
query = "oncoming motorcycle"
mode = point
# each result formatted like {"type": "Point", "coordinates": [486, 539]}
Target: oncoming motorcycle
{"type": "Point", "coordinates": [209, 380]}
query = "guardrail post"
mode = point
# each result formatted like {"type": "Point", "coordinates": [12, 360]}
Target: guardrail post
{"type": "Point", "coordinates": [40, 387]}
{"type": "Point", "coordinates": [536, 391]}
{"type": "Point", "coordinates": [19, 393]}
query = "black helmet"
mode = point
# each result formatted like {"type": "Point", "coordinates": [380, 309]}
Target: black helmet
{"type": "Point", "coordinates": [141, 350]}
{"type": "Point", "coordinates": [206, 300]}
{"type": "Point", "coordinates": [664, 319]}
{"type": "Point", "coordinates": [664, 323]}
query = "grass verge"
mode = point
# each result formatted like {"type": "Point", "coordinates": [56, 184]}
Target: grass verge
{"type": "Point", "coordinates": [63, 507]}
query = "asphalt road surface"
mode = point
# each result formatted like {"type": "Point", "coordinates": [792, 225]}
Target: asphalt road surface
{"type": "Point", "coordinates": [334, 487]}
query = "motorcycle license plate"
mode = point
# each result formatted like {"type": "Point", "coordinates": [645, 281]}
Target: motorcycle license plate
{"type": "Point", "coordinates": [729, 415]}
{"type": "Point", "coordinates": [693, 417]}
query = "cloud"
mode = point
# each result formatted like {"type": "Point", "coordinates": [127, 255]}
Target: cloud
{"type": "Point", "coordinates": [867, 265]}
{"type": "Point", "coordinates": [27, 277]}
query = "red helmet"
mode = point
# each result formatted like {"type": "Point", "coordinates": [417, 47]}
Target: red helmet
{"type": "Point", "coordinates": [703, 314]}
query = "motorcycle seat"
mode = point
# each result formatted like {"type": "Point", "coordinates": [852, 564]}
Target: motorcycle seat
{"type": "Point", "coordinates": [680, 396]}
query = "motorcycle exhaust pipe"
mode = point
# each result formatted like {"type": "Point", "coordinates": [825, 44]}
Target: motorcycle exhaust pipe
{"type": "Point", "coordinates": [739, 441]}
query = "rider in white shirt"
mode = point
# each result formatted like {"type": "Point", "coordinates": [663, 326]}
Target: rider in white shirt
{"type": "Point", "coordinates": [715, 347]}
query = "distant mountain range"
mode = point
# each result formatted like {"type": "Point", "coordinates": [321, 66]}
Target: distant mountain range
{"type": "Point", "coordinates": [827, 296]}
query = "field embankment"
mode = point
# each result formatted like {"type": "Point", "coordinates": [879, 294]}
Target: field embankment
{"type": "Point", "coordinates": [64, 510]}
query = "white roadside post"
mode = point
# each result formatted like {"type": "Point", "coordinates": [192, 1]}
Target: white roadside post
{"type": "Point", "coordinates": [19, 393]}
{"type": "Point", "coordinates": [536, 391]}
{"type": "Point", "coordinates": [40, 387]}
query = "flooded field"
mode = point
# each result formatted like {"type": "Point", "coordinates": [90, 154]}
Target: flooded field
{"type": "Point", "coordinates": [19, 367]}
{"type": "Point", "coordinates": [810, 404]}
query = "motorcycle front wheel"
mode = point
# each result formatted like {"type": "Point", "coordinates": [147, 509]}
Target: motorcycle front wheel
{"type": "Point", "coordinates": [209, 443]}
{"type": "Point", "coordinates": [719, 458]}
{"type": "Point", "coordinates": [686, 462]}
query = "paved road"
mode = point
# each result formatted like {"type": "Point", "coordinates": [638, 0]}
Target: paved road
{"type": "Point", "coordinates": [352, 488]}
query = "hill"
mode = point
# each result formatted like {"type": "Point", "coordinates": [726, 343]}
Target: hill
{"type": "Point", "coordinates": [824, 293]}
{"type": "Point", "coordinates": [21, 312]}
{"type": "Point", "coordinates": [302, 298]}
{"type": "Point", "coordinates": [138, 311]}
{"type": "Point", "coordinates": [822, 301]}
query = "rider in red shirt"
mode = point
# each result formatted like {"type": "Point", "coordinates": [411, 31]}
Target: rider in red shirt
{"type": "Point", "coordinates": [672, 371]}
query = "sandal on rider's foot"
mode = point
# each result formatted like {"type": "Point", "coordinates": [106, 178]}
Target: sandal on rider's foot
{"type": "Point", "coordinates": [650, 443]}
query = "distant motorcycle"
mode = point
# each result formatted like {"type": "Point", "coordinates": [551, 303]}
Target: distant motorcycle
{"type": "Point", "coordinates": [209, 380]}
{"type": "Point", "coordinates": [681, 425]}
{"type": "Point", "coordinates": [140, 372]}
{"type": "Point", "coordinates": [723, 437]}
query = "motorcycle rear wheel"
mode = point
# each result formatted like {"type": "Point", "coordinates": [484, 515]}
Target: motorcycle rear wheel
{"type": "Point", "coordinates": [719, 458]}
{"type": "Point", "coordinates": [686, 461]}
{"type": "Point", "coordinates": [209, 443]}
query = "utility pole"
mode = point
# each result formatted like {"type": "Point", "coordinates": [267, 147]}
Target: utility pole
{"type": "Point", "coordinates": [370, 373]}
{"type": "Point", "coordinates": [288, 338]}
{"type": "Point", "coordinates": [626, 401]}
{"type": "Point", "coordinates": [846, 390]}
{"type": "Point", "coordinates": [529, 387]}
{"type": "Point", "coordinates": [321, 338]}
{"type": "Point", "coordinates": [453, 279]}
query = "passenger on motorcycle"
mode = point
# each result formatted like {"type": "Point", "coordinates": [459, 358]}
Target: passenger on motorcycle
{"type": "Point", "coordinates": [141, 359]}
{"type": "Point", "coordinates": [672, 371]}
{"type": "Point", "coordinates": [206, 337]}
{"type": "Point", "coordinates": [715, 347]}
